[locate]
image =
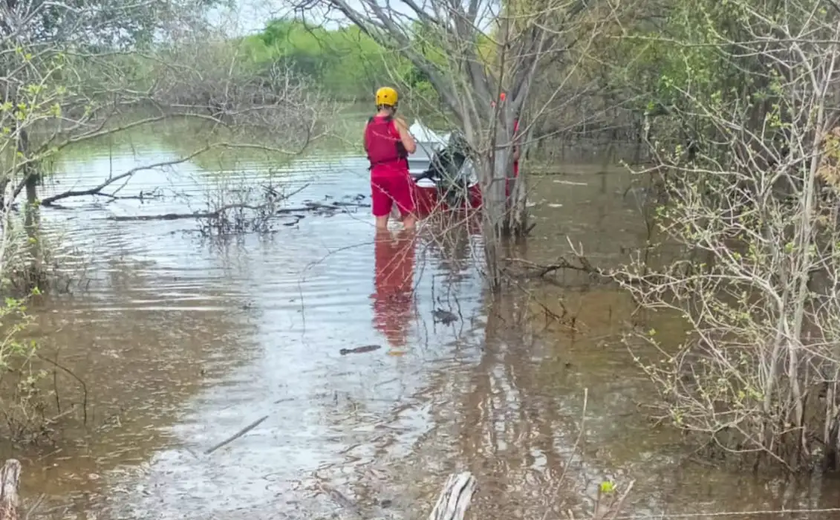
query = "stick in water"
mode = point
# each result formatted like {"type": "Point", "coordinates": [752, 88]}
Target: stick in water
{"type": "Point", "coordinates": [238, 434]}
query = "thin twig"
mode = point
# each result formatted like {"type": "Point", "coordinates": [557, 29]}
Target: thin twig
{"type": "Point", "coordinates": [237, 435]}
{"type": "Point", "coordinates": [77, 378]}
{"type": "Point", "coordinates": [35, 506]}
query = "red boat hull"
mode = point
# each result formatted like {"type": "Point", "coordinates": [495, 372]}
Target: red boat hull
{"type": "Point", "coordinates": [427, 200]}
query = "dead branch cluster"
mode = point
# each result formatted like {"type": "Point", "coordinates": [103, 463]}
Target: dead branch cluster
{"type": "Point", "coordinates": [213, 79]}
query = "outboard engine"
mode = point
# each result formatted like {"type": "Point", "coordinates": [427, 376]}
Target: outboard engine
{"type": "Point", "coordinates": [452, 172]}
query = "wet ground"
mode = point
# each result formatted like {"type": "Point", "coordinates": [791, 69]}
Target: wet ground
{"type": "Point", "coordinates": [183, 341]}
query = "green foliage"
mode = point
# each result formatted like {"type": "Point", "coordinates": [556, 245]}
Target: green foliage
{"type": "Point", "coordinates": [98, 25]}
{"type": "Point", "coordinates": [39, 99]}
{"type": "Point", "coordinates": [22, 403]}
{"type": "Point", "coordinates": [347, 63]}
{"type": "Point", "coordinates": [344, 62]}
{"type": "Point", "coordinates": [13, 321]}
{"type": "Point", "coordinates": [691, 57]}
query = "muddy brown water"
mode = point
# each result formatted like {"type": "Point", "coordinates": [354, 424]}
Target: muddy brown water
{"type": "Point", "coordinates": [182, 342]}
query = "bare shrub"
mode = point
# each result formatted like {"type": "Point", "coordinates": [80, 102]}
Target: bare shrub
{"type": "Point", "coordinates": [755, 212]}
{"type": "Point", "coordinates": [236, 206]}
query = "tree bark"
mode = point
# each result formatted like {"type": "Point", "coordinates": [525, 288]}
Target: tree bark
{"type": "Point", "coordinates": [9, 484]}
{"type": "Point", "coordinates": [32, 214]}
{"type": "Point", "coordinates": [492, 177]}
{"type": "Point", "coordinates": [518, 219]}
{"type": "Point", "coordinates": [518, 212]}
{"type": "Point", "coordinates": [455, 498]}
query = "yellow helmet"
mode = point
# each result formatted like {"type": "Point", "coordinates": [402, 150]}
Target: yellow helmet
{"type": "Point", "coordinates": [386, 96]}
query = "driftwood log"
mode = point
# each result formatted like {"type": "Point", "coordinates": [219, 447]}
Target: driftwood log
{"type": "Point", "coordinates": [455, 498]}
{"type": "Point", "coordinates": [9, 483]}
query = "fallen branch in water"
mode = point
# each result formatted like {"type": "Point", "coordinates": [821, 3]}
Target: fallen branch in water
{"type": "Point", "coordinates": [336, 206]}
{"type": "Point", "coordinates": [97, 190]}
{"type": "Point", "coordinates": [581, 264]}
{"type": "Point", "coordinates": [452, 503]}
{"type": "Point", "coordinates": [112, 197]}
{"type": "Point", "coordinates": [578, 263]}
{"type": "Point", "coordinates": [9, 485]}
{"type": "Point", "coordinates": [126, 176]}
{"type": "Point", "coordinates": [359, 350]}
{"type": "Point", "coordinates": [560, 264]}
{"type": "Point", "coordinates": [197, 215]}
{"type": "Point", "coordinates": [235, 436]}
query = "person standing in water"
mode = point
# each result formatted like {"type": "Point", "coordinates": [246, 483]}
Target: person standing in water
{"type": "Point", "coordinates": [388, 144]}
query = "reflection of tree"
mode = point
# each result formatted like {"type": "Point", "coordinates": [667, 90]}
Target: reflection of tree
{"type": "Point", "coordinates": [449, 243]}
{"type": "Point", "coordinates": [394, 277]}
{"type": "Point", "coordinates": [508, 408]}
{"type": "Point", "coordinates": [509, 430]}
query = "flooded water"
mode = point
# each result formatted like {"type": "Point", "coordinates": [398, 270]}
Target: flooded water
{"type": "Point", "coordinates": [183, 341]}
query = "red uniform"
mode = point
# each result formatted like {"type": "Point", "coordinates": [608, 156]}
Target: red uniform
{"type": "Point", "coordinates": [390, 181]}
{"type": "Point", "coordinates": [394, 283]}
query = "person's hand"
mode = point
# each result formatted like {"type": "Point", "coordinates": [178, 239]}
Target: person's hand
{"type": "Point", "coordinates": [401, 124]}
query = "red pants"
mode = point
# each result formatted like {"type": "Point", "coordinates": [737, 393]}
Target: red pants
{"type": "Point", "coordinates": [389, 186]}
{"type": "Point", "coordinates": [394, 282]}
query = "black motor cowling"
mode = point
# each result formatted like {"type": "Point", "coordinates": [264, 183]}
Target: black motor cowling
{"type": "Point", "coordinates": [446, 171]}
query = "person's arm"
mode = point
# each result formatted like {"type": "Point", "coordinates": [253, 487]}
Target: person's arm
{"type": "Point", "coordinates": [364, 138]}
{"type": "Point", "coordinates": [405, 136]}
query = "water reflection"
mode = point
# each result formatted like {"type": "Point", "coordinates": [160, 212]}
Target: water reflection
{"type": "Point", "coordinates": [197, 342]}
{"type": "Point", "coordinates": [394, 282]}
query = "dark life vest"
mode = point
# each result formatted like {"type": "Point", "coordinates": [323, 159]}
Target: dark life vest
{"type": "Point", "coordinates": [383, 143]}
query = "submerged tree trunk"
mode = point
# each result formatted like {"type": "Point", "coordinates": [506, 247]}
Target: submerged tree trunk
{"type": "Point", "coordinates": [27, 170]}
{"type": "Point", "coordinates": [493, 217]}
{"type": "Point", "coordinates": [454, 500]}
{"type": "Point", "coordinates": [32, 223]}
{"type": "Point", "coordinates": [4, 185]}
{"type": "Point", "coordinates": [518, 204]}
{"type": "Point", "coordinates": [493, 173]}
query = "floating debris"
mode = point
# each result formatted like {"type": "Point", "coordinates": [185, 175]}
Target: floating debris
{"type": "Point", "coordinates": [359, 350]}
{"type": "Point", "coordinates": [444, 316]}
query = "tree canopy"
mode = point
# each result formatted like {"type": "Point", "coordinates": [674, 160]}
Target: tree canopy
{"type": "Point", "coordinates": [346, 63]}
